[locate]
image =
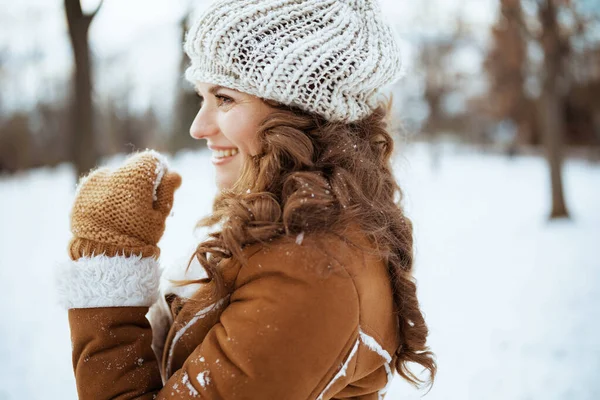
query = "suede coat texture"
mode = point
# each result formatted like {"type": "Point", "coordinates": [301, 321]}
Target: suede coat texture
{"type": "Point", "coordinates": [309, 319]}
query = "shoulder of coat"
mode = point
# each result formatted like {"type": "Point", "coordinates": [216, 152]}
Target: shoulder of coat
{"type": "Point", "coordinates": [325, 253]}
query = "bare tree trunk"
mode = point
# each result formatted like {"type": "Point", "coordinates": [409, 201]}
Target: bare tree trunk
{"type": "Point", "coordinates": [551, 110]}
{"type": "Point", "coordinates": [552, 124]}
{"type": "Point", "coordinates": [82, 147]}
{"type": "Point", "coordinates": [186, 103]}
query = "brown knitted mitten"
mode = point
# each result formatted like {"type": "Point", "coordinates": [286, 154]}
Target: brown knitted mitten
{"type": "Point", "coordinates": [123, 212]}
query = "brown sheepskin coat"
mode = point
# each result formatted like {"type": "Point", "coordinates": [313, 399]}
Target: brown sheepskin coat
{"type": "Point", "coordinates": [304, 319]}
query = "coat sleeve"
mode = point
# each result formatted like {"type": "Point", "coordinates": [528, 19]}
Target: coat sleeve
{"type": "Point", "coordinates": [289, 331]}
{"type": "Point", "coordinates": [112, 353]}
{"type": "Point", "coordinates": [107, 299]}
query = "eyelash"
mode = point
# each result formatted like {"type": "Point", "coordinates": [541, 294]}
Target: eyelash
{"type": "Point", "coordinates": [219, 97]}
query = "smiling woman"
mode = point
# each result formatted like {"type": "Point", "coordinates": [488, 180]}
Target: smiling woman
{"type": "Point", "coordinates": [228, 120]}
{"type": "Point", "coordinates": [308, 290]}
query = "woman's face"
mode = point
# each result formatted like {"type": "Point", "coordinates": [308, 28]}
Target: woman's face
{"type": "Point", "coordinates": [229, 122]}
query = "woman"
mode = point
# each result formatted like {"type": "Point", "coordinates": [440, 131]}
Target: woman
{"type": "Point", "coordinates": [309, 292]}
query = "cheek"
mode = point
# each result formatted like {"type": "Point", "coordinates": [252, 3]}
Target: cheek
{"type": "Point", "coordinates": [241, 131]}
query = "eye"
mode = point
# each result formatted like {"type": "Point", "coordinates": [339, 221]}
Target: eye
{"type": "Point", "coordinates": [223, 100]}
{"type": "Point", "coordinates": [200, 100]}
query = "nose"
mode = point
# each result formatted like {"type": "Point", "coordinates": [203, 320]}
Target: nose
{"type": "Point", "coordinates": [203, 126]}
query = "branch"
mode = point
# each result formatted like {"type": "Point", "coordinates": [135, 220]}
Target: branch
{"type": "Point", "coordinates": [92, 15]}
{"type": "Point", "coordinates": [87, 18]}
{"type": "Point", "coordinates": [73, 9]}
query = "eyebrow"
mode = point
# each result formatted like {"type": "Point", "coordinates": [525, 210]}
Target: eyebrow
{"type": "Point", "coordinates": [212, 90]}
{"type": "Point", "coordinates": [215, 89]}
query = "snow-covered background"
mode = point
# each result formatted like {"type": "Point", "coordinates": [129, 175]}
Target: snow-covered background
{"type": "Point", "coordinates": [512, 300]}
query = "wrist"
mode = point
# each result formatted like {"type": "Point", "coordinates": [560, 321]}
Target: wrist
{"type": "Point", "coordinates": [103, 281]}
{"type": "Point", "coordinates": [81, 247]}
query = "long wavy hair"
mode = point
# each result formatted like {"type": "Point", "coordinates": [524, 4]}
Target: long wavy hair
{"type": "Point", "coordinates": [313, 175]}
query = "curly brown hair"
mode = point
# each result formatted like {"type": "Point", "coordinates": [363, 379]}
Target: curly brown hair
{"type": "Point", "coordinates": [313, 175]}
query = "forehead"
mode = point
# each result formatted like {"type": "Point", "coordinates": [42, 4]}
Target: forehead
{"type": "Point", "coordinates": [210, 88]}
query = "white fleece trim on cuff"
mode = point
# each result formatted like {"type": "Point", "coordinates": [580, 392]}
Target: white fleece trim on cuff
{"type": "Point", "coordinates": [103, 281]}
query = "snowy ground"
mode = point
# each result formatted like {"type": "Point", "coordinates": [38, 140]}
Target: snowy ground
{"type": "Point", "coordinates": [513, 301]}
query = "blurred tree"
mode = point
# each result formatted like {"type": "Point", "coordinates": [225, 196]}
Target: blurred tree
{"type": "Point", "coordinates": [551, 103]}
{"type": "Point", "coordinates": [15, 143]}
{"type": "Point", "coordinates": [83, 148]}
{"type": "Point", "coordinates": [433, 59]}
{"type": "Point", "coordinates": [128, 129]}
{"type": "Point", "coordinates": [532, 65]}
{"type": "Point", "coordinates": [442, 80]}
{"type": "Point", "coordinates": [3, 58]}
{"type": "Point", "coordinates": [51, 133]}
{"type": "Point", "coordinates": [186, 100]}
{"type": "Point", "coordinates": [438, 81]}
{"type": "Point", "coordinates": [506, 66]}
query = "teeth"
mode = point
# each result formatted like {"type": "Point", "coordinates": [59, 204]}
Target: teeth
{"type": "Point", "coordinates": [225, 153]}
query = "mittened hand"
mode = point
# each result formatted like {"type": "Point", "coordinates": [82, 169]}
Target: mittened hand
{"type": "Point", "coordinates": [123, 211]}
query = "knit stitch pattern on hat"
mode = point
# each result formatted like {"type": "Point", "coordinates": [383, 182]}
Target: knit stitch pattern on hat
{"type": "Point", "coordinates": [329, 57]}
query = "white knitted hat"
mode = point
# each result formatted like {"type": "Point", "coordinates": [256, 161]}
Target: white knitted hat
{"type": "Point", "coordinates": [328, 57]}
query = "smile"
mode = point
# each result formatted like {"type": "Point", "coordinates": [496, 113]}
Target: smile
{"type": "Point", "coordinates": [222, 156]}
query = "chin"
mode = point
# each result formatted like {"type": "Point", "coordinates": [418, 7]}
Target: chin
{"type": "Point", "coordinates": [227, 175]}
{"type": "Point", "coordinates": [224, 183]}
